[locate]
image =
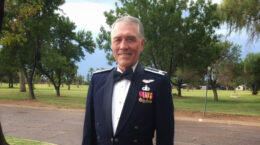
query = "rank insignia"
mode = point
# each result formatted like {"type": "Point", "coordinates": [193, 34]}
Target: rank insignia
{"type": "Point", "coordinates": [145, 97]}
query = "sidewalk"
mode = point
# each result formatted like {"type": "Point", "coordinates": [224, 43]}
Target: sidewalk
{"type": "Point", "coordinates": [65, 126]}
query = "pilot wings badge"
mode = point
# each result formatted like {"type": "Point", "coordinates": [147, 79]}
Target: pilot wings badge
{"type": "Point", "coordinates": [148, 81]}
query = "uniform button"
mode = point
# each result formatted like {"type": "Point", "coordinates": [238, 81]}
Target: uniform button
{"type": "Point", "coordinates": [116, 140]}
{"type": "Point", "coordinates": [98, 137]}
{"type": "Point", "coordinates": [135, 140]}
{"type": "Point", "coordinates": [112, 139]}
{"type": "Point", "coordinates": [136, 127]}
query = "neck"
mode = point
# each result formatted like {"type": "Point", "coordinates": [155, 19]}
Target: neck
{"type": "Point", "coordinates": [123, 69]}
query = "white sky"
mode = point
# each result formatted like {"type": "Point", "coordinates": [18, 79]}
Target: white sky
{"type": "Point", "coordinates": [89, 15]}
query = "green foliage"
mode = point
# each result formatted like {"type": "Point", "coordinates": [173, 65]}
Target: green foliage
{"type": "Point", "coordinates": [241, 14]}
{"type": "Point", "coordinates": [224, 66]}
{"type": "Point", "coordinates": [252, 71]}
{"type": "Point", "coordinates": [62, 51]}
{"type": "Point", "coordinates": [179, 35]}
{"type": "Point", "coordinates": [221, 71]}
{"type": "Point", "coordinates": [38, 37]}
{"type": "Point", "coordinates": [8, 67]}
{"type": "Point", "coordinates": [26, 28]}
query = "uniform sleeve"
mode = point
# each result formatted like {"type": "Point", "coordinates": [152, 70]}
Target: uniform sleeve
{"type": "Point", "coordinates": [89, 134]}
{"type": "Point", "coordinates": [164, 113]}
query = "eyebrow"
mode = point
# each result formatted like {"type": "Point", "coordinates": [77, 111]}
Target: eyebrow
{"type": "Point", "coordinates": [130, 36]}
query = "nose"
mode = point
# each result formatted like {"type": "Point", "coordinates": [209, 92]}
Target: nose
{"type": "Point", "coordinates": [123, 44]}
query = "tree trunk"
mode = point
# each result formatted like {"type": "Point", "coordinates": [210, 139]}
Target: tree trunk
{"type": "Point", "coordinates": [22, 82]}
{"type": "Point", "coordinates": [30, 85]}
{"type": "Point", "coordinates": [2, 137]}
{"type": "Point", "coordinates": [2, 3]}
{"type": "Point", "coordinates": [11, 85]}
{"type": "Point", "coordinates": [179, 86]}
{"type": "Point", "coordinates": [213, 84]}
{"type": "Point", "coordinates": [179, 91]}
{"type": "Point", "coordinates": [254, 90]}
{"type": "Point", "coordinates": [57, 88]}
{"type": "Point", "coordinates": [68, 86]}
{"type": "Point", "coordinates": [30, 75]}
{"type": "Point", "coordinates": [215, 94]}
{"type": "Point", "coordinates": [10, 78]}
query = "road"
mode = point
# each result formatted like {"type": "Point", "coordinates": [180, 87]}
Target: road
{"type": "Point", "coordinates": [64, 127]}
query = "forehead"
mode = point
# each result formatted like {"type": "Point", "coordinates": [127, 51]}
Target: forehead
{"type": "Point", "coordinates": [125, 29]}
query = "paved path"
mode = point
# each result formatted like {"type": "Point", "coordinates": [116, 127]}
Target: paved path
{"type": "Point", "coordinates": [64, 127]}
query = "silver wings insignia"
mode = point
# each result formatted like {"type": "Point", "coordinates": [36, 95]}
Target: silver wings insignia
{"type": "Point", "coordinates": [148, 81]}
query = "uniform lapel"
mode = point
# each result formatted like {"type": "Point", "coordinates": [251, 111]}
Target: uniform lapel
{"type": "Point", "coordinates": [107, 101]}
{"type": "Point", "coordinates": [131, 98]}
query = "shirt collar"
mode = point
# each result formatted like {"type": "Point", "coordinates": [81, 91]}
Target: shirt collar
{"type": "Point", "coordinates": [133, 67]}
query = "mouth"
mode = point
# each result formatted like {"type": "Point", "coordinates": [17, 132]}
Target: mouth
{"type": "Point", "coordinates": [124, 54]}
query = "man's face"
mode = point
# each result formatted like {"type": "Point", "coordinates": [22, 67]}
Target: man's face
{"type": "Point", "coordinates": [126, 44]}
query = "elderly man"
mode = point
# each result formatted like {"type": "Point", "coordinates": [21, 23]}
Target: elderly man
{"type": "Point", "coordinates": [127, 104]}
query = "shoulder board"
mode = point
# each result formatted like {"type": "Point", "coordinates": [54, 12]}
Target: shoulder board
{"type": "Point", "coordinates": [156, 71]}
{"type": "Point", "coordinates": [102, 70]}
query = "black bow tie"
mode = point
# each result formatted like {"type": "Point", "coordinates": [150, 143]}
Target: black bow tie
{"type": "Point", "coordinates": [128, 74]}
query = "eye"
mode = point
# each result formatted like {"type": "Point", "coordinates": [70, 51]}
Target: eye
{"type": "Point", "coordinates": [116, 40]}
{"type": "Point", "coordinates": [130, 39]}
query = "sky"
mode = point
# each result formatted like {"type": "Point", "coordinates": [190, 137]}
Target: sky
{"type": "Point", "coordinates": [88, 15]}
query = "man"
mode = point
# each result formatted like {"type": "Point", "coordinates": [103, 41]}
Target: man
{"type": "Point", "coordinates": [127, 104]}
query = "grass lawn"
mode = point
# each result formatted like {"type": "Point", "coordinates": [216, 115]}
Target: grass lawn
{"type": "Point", "coordinates": [74, 98]}
{"type": "Point", "coordinates": [192, 100]}
{"type": "Point", "coordinates": [18, 141]}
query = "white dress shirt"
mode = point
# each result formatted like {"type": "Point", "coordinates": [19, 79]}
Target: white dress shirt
{"type": "Point", "coordinates": [120, 91]}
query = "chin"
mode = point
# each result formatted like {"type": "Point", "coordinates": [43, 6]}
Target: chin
{"type": "Point", "coordinates": [125, 64]}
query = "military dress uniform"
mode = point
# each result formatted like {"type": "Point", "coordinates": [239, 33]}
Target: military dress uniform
{"type": "Point", "coordinates": [148, 107]}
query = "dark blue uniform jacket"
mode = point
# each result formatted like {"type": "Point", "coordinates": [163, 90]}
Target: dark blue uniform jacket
{"type": "Point", "coordinates": [148, 107]}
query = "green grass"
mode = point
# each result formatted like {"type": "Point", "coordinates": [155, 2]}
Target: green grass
{"type": "Point", "coordinates": [18, 141]}
{"type": "Point", "coordinates": [192, 100]}
{"type": "Point", "coordinates": [74, 98]}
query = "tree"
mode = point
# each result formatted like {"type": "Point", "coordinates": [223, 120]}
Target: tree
{"type": "Point", "coordinates": [27, 27]}
{"type": "Point", "coordinates": [79, 80]}
{"type": "Point", "coordinates": [22, 81]}
{"type": "Point", "coordinates": [8, 67]}
{"type": "Point", "coordinates": [70, 74]}
{"type": "Point", "coordinates": [2, 138]}
{"type": "Point", "coordinates": [222, 69]}
{"type": "Point", "coordinates": [89, 75]}
{"type": "Point", "coordinates": [2, 4]}
{"type": "Point", "coordinates": [63, 50]}
{"type": "Point", "coordinates": [239, 14]}
{"type": "Point", "coordinates": [252, 71]}
{"type": "Point", "coordinates": [177, 35]}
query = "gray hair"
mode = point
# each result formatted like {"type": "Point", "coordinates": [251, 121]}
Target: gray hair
{"type": "Point", "coordinates": [130, 19]}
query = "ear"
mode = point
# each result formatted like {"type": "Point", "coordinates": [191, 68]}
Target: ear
{"type": "Point", "coordinates": [142, 43]}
